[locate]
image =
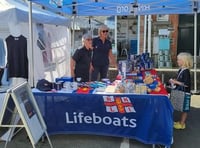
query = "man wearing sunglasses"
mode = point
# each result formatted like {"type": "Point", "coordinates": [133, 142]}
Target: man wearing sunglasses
{"type": "Point", "coordinates": [81, 60]}
{"type": "Point", "coordinates": [102, 54]}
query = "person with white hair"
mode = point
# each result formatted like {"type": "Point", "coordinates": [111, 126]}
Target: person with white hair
{"type": "Point", "coordinates": [102, 54]}
{"type": "Point", "coordinates": [81, 60]}
{"type": "Point", "coordinates": [183, 82]}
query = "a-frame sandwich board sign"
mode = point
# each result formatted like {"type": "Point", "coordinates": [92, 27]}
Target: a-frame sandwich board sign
{"type": "Point", "coordinates": [28, 111]}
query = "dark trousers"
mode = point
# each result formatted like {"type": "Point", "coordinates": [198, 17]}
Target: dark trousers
{"type": "Point", "coordinates": [1, 74]}
{"type": "Point", "coordinates": [102, 70]}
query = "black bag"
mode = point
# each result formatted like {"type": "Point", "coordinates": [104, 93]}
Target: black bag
{"type": "Point", "coordinates": [44, 85]}
{"type": "Point", "coordinates": [180, 100]}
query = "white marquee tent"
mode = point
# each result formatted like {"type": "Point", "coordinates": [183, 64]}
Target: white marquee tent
{"type": "Point", "coordinates": [14, 17]}
{"type": "Point", "coordinates": [11, 10]}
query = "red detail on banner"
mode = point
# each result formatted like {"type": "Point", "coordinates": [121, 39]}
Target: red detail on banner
{"type": "Point", "coordinates": [120, 103]}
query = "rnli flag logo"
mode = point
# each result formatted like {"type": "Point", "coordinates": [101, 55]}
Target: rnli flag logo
{"type": "Point", "coordinates": [118, 104]}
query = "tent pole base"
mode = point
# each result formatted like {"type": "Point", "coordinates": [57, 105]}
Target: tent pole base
{"type": "Point", "coordinates": [195, 92]}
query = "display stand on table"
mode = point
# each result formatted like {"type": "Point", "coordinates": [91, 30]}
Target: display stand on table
{"type": "Point", "coordinates": [27, 110]}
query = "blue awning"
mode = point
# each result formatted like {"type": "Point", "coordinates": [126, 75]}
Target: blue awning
{"type": "Point", "coordinates": [118, 7]}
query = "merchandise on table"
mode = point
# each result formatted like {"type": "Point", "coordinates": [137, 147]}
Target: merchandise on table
{"type": "Point", "coordinates": [136, 75]}
{"type": "Point", "coordinates": [64, 79]}
{"type": "Point", "coordinates": [135, 63]}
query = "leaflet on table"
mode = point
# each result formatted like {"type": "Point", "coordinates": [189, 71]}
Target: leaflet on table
{"type": "Point", "coordinates": [124, 86]}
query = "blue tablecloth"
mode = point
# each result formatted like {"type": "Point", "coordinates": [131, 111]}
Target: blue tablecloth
{"type": "Point", "coordinates": [147, 118]}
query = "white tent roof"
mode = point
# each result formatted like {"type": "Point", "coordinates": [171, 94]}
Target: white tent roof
{"type": "Point", "coordinates": [10, 10]}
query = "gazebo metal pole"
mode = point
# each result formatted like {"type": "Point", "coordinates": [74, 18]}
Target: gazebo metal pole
{"type": "Point", "coordinates": [138, 35]}
{"type": "Point", "coordinates": [145, 33]}
{"type": "Point", "coordinates": [116, 36]}
{"type": "Point", "coordinates": [31, 56]}
{"type": "Point", "coordinates": [149, 35]}
{"type": "Point", "coordinates": [195, 52]}
{"type": "Point", "coordinates": [73, 33]}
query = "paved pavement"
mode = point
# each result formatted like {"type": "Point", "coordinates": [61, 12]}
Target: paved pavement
{"type": "Point", "coordinates": [188, 138]}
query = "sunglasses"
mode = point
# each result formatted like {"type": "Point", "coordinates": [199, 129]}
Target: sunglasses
{"type": "Point", "coordinates": [105, 31]}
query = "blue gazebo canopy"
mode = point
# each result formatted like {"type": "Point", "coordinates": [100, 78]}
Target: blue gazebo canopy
{"type": "Point", "coordinates": [119, 7]}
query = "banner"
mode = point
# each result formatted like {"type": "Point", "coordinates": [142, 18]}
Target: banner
{"type": "Point", "coordinates": [147, 118]}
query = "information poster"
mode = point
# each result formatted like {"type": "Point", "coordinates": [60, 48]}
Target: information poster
{"type": "Point", "coordinates": [26, 107]}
